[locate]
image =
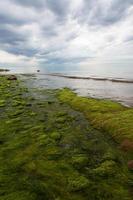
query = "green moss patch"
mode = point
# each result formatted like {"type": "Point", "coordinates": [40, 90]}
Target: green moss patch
{"type": "Point", "coordinates": [108, 116]}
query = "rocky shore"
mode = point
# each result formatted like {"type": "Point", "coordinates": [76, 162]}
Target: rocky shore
{"type": "Point", "coordinates": [55, 145]}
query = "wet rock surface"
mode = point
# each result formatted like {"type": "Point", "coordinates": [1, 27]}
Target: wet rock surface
{"type": "Point", "coordinates": [12, 78]}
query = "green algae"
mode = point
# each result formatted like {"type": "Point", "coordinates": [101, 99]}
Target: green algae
{"type": "Point", "coordinates": [50, 151]}
{"type": "Point", "coordinates": [105, 115]}
{"type": "Point", "coordinates": [2, 103]}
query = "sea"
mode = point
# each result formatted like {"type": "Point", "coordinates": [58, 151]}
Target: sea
{"type": "Point", "coordinates": [102, 81]}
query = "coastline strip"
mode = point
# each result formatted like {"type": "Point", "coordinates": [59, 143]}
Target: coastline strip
{"type": "Point", "coordinates": [119, 80]}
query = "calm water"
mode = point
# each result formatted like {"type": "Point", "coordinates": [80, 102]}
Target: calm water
{"type": "Point", "coordinates": [113, 70]}
{"type": "Point", "coordinates": [117, 91]}
{"type": "Point", "coordinates": [121, 92]}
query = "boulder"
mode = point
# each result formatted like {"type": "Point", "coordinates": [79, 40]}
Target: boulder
{"type": "Point", "coordinates": [12, 78]}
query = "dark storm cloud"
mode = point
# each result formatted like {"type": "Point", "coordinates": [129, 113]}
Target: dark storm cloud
{"type": "Point", "coordinates": [9, 37]}
{"type": "Point", "coordinates": [21, 50]}
{"type": "Point", "coordinates": [15, 43]}
{"type": "Point", "coordinates": [30, 27]}
{"type": "Point", "coordinates": [58, 7]}
{"type": "Point", "coordinates": [5, 19]}
{"type": "Point", "coordinates": [10, 40]}
{"type": "Point", "coordinates": [31, 3]}
{"type": "Point", "coordinates": [96, 12]}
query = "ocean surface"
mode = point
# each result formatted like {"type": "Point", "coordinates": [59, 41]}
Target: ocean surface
{"type": "Point", "coordinates": [106, 70]}
{"type": "Point", "coordinates": [106, 81]}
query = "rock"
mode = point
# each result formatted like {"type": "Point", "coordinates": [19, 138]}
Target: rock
{"type": "Point", "coordinates": [4, 70]}
{"type": "Point", "coordinates": [12, 78]}
{"type": "Point", "coordinates": [1, 142]}
{"type": "Point", "coordinates": [50, 102]}
{"type": "Point", "coordinates": [127, 145]}
{"type": "Point", "coordinates": [28, 104]}
{"type": "Point", "coordinates": [130, 164]}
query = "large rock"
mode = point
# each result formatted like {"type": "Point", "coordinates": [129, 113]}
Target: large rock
{"type": "Point", "coordinates": [12, 78]}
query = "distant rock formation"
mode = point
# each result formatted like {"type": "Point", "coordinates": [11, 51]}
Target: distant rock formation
{"type": "Point", "coordinates": [4, 70]}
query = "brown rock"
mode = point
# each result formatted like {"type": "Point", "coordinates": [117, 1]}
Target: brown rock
{"type": "Point", "coordinates": [130, 164]}
{"type": "Point", "coordinates": [12, 78]}
{"type": "Point", "coordinates": [127, 145]}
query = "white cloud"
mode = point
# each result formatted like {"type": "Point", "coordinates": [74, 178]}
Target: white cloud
{"type": "Point", "coordinates": [37, 32]}
{"type": "Point", "coordinates": [8, 58]}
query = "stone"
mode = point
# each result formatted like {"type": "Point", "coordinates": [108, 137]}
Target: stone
{"type": "Point", "coordinates": [130, 164]}
{"type": "Point", "coordinates": [12, 78]}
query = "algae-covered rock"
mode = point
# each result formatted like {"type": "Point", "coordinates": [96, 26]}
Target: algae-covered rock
{"type": "Point", "coordinates": [55, 135]}
{"type": "Point", "coordinates": [78, 183]}
{"type": "Point", "coordinates": [107, 168]}
{"type": "Point", "coordinates": [2, 103]}
{"type": "Point", "coordinates": [32, 114]}
{"type": "Point", "coordinates": [51, 152]}
{"type": "Point", "coordinates": [79, 161]}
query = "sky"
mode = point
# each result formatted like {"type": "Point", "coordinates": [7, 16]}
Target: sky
{"type": "Point", "coordinates": [65, 32]}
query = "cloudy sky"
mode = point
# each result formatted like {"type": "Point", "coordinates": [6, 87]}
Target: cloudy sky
{"type": "Point", "coordinates": [65, 32]}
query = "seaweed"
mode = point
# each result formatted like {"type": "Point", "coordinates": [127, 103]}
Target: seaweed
{"type": "Point", "coordinates": [51, 151]}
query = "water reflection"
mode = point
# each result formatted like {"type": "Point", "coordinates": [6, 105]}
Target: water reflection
{"type": "Point", "coordinates": [122, 92]}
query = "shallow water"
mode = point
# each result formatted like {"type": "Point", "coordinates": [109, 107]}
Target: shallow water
{"type": "Point", "coordinates": [106, 80]}
{"type": "Point", "coordinates": [117, 91]}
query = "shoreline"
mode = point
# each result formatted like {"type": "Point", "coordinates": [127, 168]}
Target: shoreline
{"type": "Point", "coordinates": [127, 101]}
{"type": "Point", "coordinates": [123, 101]}
{"type": "Point", "coordinates": [119, 80]}
{"type": "Point", "coordinates": [67, 95]}
{"type": "Point", "coordinates": [95, 78]}
{"type": "Point", "coordinates": [106, 115]}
